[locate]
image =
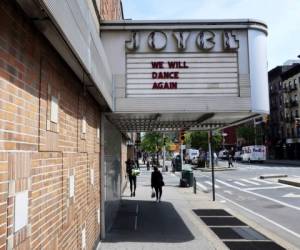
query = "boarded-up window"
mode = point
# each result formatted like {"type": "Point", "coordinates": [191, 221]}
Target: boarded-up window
{"type": "Point", "coordinates": [83, 127]}
{"type": "Point", "coordinates": [54, 109]}
{"type": "Point", "coordinates": [21, 210]}
{"type": "Point", "coordinates": [71, 186]}
{"type": "Point", "coordinates": [92, 176]}
{"type": "Point", "coordinates": [83, 239]}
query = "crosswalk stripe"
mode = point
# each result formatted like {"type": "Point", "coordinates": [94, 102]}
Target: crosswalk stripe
{"type": "Point", "coordinates": [239, 183]}
{"type": "Point", "coordinates": [251, 182]}
{"type": "Point", "coordinates": [259, 180]}
{"type": "Point", "coordinates": [209, 183]}
{"type": "Point", "coordinates": [262, 188]}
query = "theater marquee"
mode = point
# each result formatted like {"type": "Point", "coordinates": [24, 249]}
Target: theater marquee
{"type": "Point", "coordinates": [214, 66]}
{"type": "Point", "coordinates": [212, 70]}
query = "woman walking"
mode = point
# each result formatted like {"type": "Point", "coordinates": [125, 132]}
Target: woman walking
{"type": "Point", "coordinates": [131, 176]}
{"type": "Point", "coordinates": [157, 183]}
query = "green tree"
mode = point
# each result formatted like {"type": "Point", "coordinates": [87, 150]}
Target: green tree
{"type": "Point", "coordinates": [153, 142]}
{"type": "Point", "coordinates": [247, 133]}
{"type": "Point", "coordinates": [199, 139]}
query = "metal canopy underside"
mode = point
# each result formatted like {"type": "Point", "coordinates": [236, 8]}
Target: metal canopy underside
{"type": "Point", "coordinates": [176, 121]}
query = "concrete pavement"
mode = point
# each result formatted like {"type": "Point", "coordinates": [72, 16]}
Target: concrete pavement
{"type": "Point", "coordinates": [171, 224]}
{"type": "Point", "coordinates": [144, 224]}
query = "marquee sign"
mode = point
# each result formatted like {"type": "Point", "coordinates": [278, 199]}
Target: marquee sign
{"type": "Point", "coordinates": [212, 68]}
{"type": "Point", "coordinates": [191, 67]}
{"type": "Point", "coordinates": [170, 74]}
{"type": "Point", "coordinates": [205, 40]}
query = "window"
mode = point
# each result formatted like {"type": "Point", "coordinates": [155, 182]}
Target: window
{"type": "Point", "coordinates": [54, 109]}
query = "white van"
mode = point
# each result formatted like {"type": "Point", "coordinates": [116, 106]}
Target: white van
{"type": "Point", "coordinates": [223, 154]}
{"type": "Point", "coordinates": [254, 153]}
{"type": "Point", "coordinates": [191, 155]}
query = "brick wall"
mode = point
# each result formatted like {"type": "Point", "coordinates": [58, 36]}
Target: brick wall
{"type": "Point", "coordinates": [111, 10]}
{"type": "Point", "coordinates": [44, 147]}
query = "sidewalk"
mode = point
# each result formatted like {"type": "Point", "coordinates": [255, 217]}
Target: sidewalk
{"type": "Point", "coordinates": [171, 224]}
{"type": "Point", "coordinates": [295, 163]}
{"type": "Point", "coordinates": [143, 224]}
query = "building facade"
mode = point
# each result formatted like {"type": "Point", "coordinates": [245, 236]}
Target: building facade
{"type": "Point", "coordinates": [291, 86]}
{"type": "Point", "coordinates": [67, 102]}
{"type": "Point", "coordinates": [50, 141]}
{"type": "Point", "coordinates": [284, 110]}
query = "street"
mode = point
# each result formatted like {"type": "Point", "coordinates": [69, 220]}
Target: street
{"type": "Point", "coordinates": [271, 204]}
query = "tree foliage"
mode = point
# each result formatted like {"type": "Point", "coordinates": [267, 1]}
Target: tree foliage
{"type": "Point", "coordinates": [199, 139]}
{"type": "Point", "coordinates": [153, 142]}
{"type": "Point", "coordinates": [247, 133]}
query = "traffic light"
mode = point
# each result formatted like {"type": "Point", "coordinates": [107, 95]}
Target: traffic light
{"type": "Point", "coordinates": [182, 136]}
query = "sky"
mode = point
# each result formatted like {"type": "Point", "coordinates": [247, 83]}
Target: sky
{"type": "Point", "coordinates": [281, 16]}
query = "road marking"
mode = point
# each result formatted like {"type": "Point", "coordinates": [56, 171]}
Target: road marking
{"type": "Point", "coordinates": [260, 195]}
{"type": "Point", "coordinates": [261, 216]}
{"type": "Point", "coordinates": [209, 183]}
{"type": "Point", "coordinates": [291, 195]}
{"type": "Point", "coordinates": [251, 182]}
{"type": "Point", "coordinates": [261, 188]}
{"type": "Point", "coordinates": [204, 188]}
{"type": "Point", "coordinates": [263, 181]}
{"type": "Point", "coordinates": [228, 192]}
{"type": "Point", "coordinates": [239, 183]}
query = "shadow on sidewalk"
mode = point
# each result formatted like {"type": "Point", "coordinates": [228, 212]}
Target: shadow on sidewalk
{"type": "Point", "coordinates": [148, 221]}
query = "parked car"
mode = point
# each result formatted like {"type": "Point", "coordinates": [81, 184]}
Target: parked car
{"type": "Point", "coordinates": [223, 154]}
{"type": "Point", "coordinates": [254, 153]}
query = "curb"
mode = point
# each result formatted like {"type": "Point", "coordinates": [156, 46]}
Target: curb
{"type": "Point", "coordinates": [291, 182]}
{"type": "Point", "coordinates": [217, 169]}
{"type": "Point", "coordinates": [272, 176]}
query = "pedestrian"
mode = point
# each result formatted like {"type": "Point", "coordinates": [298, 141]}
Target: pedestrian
{"type": "Point", "coordinates": [130, 166]}
{"type": "Point", "coordinates": [229, 160]}
{"type": "Point", "coordinates": [216, 159]}
{"type": "Point", "coordinates": [157, 183]}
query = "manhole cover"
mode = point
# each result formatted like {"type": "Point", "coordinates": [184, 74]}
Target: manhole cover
{"type": "Point", "coordinates": [253, 245]}
{"type": "Point", "coordinates": [211, 212]}
{"type": "Point", "coordinates": [222, 221]}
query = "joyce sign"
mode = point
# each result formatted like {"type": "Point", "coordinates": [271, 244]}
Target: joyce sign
{"type": "Point", "coordinates": [205, 40]}
{"type": "Point", "coordinates": [166, 79]}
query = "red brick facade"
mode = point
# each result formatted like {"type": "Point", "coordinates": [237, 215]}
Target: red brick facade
{"type": "Point", "coordinates": [111, 10]}
{"type": "Point", "coordinates": [40, 153]}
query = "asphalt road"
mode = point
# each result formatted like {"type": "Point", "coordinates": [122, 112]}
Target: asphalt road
{"type": "Point", "coordinates": [274, 205]}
